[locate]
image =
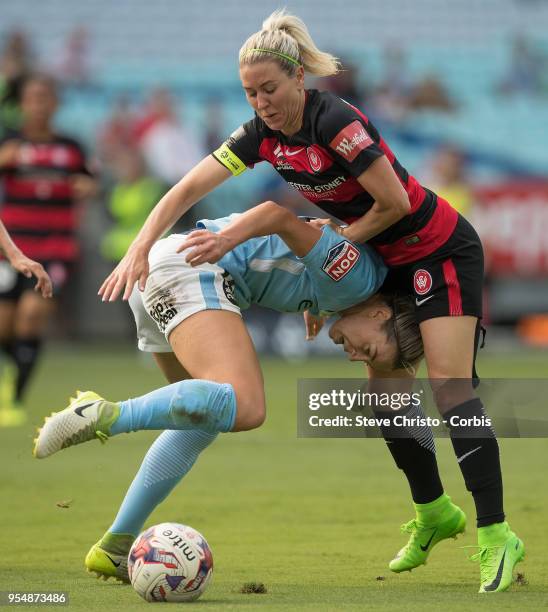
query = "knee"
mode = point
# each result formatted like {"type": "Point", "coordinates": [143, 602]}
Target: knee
{"type": "Point", "coordinates": [451, 392]}
{"type": "Point", "coordinates": [250, 411]}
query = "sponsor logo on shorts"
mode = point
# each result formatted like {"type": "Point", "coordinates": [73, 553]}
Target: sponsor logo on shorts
{"type": "Point", "coordinates": [228, 288]}
{"type": "Point", "coordinates": [351, 140]}
{"type": "Point", "coordinates": [340, 260]}
{"type": "Point", "coordinates": [314, 159]}
{"type": "Point", "coordinates": [162, 310]}
{"type": "Point", "coordinates": [422, 281]}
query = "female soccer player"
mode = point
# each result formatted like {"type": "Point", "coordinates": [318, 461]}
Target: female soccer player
{"type": "Point", "coordinates": [27, 268]}
{"type": "Point", "coordinates": [10, 417]}
{"type": "Point", "coordinates": [331, 153]}
{"type": "Point", "coordinates": [189, 317]}
{"type": "Point", "coordinates": [43, 174]}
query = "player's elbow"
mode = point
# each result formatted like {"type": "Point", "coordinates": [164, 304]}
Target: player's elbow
{"type": "Point", "coordinates": [403, 205]}
{"type": "Point", "coordinates": [397, 206]}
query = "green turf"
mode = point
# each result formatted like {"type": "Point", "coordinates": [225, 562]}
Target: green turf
{"type": "Point", "coordinates": [316, 521]}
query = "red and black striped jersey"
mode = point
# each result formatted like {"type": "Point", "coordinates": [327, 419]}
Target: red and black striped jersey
{"type": "Point", "coordinates": [323, 161]}
{"type": "Point", "coordinates": [38, 205]}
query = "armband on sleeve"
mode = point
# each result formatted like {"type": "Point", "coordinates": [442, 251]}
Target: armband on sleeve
{"type": "Point", "coordinates": [229, 159]}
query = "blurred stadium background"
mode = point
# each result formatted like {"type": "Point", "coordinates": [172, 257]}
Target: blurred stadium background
{"type": "Point", "coordinates": [458, 89]}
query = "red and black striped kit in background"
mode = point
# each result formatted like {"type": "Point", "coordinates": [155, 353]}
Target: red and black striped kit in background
{"type": "Point", "coordinates": [38, 207]}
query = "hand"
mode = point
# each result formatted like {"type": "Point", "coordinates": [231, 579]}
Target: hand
{"type": "Point", "coordinates": [207, 247]}
{"type": "Point", "coordinates": [131, 269]}
{"type": "Point", "coordinates": [29, 267]}
{"type": "Point", "coordinates": [319, 223]}
{"type": "Point", "coordinates": [313, 324]}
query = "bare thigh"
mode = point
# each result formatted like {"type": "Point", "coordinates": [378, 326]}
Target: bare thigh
{"type": "Point", "coordinates": [171, 367]}
{"type": "Point", "coordinates": [32, 315]}
{"type": "Point", "coordinates": [7, 319]}
{"type": "Point", "coordinates": [215, 345]}
{"type": "Point", "coordinates": [449, 352]}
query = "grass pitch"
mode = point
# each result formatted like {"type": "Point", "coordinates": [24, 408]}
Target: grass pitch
{"type": "Point", "coordinates": [314, 521]}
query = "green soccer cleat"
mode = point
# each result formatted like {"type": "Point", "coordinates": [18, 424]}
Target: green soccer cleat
{"type": "Point", "coordinates": [87, 417]}
{"type": "Point", "coordinates": [450, 522]}
{"type": "Point", "coordinates": [500, 551]}
{"type": "Point", "coordinates": [108, 558]}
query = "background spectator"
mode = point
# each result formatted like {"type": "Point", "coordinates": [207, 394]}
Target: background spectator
{"type": "Point", "coordinates": [169, 148]}
{"type": "Point", "coordinates": [448, 177]}
{"type": "Point", "coordinates": [16, 63]}
{"type": "Point", "coordinates": [390, 99]}
{"type": "Point", "coordinates": [134, 194]}
{"type": "Point", "coordinates": [73, 66]}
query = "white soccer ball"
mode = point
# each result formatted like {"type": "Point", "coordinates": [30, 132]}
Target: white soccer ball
{"type": "Point", "coordinates": [170, 562]}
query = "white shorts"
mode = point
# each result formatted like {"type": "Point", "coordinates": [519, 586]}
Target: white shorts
{"type": "Point", "coordinates": [174, 291]}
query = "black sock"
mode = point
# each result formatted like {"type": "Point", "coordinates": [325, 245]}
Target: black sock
{"type": "Point", "coordinates": [25, 353]}
{"type": "Point", "coordinates": [477, 453]}
{"type": "Point", "coordinates": [415, 455]}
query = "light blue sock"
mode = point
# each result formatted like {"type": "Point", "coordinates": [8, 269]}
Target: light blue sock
{"type": "Point", "coordinates": [166, 462]}
{"type": "Point", "coordinates": [188, 404]}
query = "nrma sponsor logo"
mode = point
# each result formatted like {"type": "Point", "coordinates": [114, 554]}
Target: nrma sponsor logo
{"type": "Point", "coordinates": [340, 260]}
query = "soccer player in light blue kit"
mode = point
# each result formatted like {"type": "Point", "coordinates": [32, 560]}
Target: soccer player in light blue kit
{"type": "Point", "coordinates": [189, 317]}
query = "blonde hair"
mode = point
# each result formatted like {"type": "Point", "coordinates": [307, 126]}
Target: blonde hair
{"type": "Point", "coordinates": [285, 40]}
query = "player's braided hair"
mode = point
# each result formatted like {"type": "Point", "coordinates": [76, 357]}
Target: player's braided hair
{"type": "Point", "coordinates": [285, 39]}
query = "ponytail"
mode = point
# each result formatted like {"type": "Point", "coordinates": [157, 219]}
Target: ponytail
{"type": "Point", "coordinates": [285, 39]}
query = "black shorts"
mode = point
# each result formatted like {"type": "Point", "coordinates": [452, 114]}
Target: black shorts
{"type": "Point", "coordinates": [13, 284]}
{"type": "Point", "coordinates": [449, 282]}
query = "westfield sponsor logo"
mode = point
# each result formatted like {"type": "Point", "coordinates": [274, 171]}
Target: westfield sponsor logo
{"type": "Point", "coordinates": [351, 140]}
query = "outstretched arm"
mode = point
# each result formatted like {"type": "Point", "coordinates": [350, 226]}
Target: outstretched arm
{"type": "Point", "coordinates": [197, 183]}
{"type": "Point", "coordinates": [263, 219]}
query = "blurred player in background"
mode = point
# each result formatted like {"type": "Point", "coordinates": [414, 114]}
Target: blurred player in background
{"type": "Point", "coordinates": [28, 268]}
{"type": "Point", "coordinates": [43, 175]}
{"type": "Point", "coordinates": [24, 265]}
{"type": "Point", "coordinates": [186, 311]}
{"type": "Point", "coordinates": [330, 152]}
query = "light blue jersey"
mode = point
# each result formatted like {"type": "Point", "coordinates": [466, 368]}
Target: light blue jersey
{"type": "Point", "coordinates": [334, 275]}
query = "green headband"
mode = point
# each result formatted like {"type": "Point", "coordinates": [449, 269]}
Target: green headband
{"type": "Point", "coordinates": [286, 57]}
